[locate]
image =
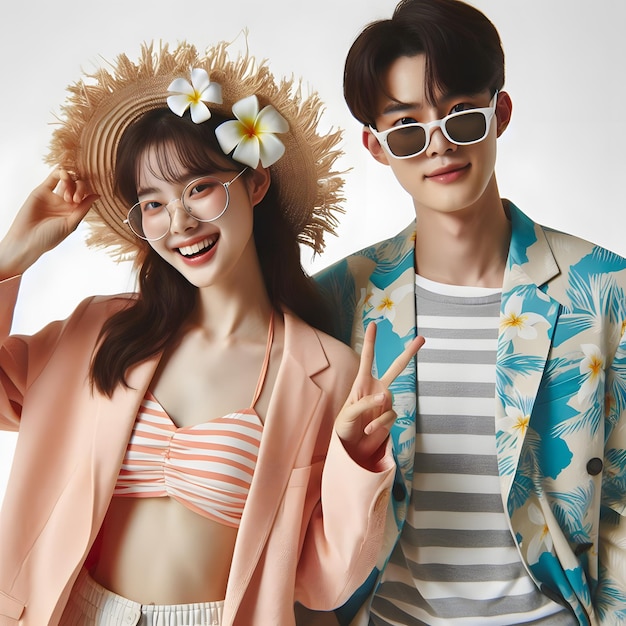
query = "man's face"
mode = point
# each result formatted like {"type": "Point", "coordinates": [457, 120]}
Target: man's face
{"type": "Point", "coordinates": [446, 177]}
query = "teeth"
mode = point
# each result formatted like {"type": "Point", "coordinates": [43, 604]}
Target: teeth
{"type": "Point", "coordinates": [197, 247]}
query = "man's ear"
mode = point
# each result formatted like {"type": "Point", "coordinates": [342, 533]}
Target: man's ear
{"type": "Point", "coordinates": [373, 146]}
{"type": "Point", "coordinates": [258, 184]}
{"type": "Point", "coordinates": [504, 110]}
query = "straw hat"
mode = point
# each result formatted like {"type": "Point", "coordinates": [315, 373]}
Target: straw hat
{"type": "Point", "coordinates": [100, 106]}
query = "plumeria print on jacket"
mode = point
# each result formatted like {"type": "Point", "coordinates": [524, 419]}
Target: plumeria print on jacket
{"type": "Point", "coordinates": [560, 422]}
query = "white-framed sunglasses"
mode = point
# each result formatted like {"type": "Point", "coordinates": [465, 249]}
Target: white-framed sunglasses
{"type": "Point", "coordinates": [462, 128]}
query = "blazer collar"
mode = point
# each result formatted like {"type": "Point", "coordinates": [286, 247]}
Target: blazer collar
{"type": "Point", "coordinates": [529, 251]}
{"type": "Point", "coordinates": [531, 260]}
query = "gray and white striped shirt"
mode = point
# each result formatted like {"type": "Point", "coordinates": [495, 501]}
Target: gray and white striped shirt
{"type": "Point", "coordinates": [456, 562]}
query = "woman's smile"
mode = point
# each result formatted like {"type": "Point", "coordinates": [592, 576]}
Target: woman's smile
{"type": "Point", "coordinates": [199, 247]}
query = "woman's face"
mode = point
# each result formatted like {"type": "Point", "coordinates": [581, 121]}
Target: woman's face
{"type": "Point", "coordinates": [205, 253]}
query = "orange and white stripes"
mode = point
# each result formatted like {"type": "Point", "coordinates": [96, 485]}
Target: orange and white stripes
{"type": "Point", "coordinates": [207, 467]}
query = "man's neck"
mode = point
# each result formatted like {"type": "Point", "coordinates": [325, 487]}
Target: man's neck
{"type": "Point", "coordinates": [467, 247]}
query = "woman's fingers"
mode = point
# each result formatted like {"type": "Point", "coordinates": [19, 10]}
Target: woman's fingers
{"type": "Point", "coordinates": [81, 191]}
{"type": "Point", "coordinates": [352, 412]}
{"type": "Point", "coordinates": [367, 353]}
{"type": "Point", "coordinates": [384, 422]}
{"type": "Point", "coordinates": [397, 367]}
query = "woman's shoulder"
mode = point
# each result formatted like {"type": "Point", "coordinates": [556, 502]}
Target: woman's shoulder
{"type": "Point", "coordinates": [337, 353]}
{"type": "Point", "coordinates": [98, 308]}
{"type": "Point", "coordinates": [111, 300]}
{"type": "Point", "coordinates": [335, 349]}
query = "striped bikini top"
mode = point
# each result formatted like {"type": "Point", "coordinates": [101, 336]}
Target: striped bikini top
{"type": "Point", "coordinates": [207, 467]}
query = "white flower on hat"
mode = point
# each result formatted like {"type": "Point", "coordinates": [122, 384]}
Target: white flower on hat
{"type": "Point", "coordinates": [194, 95]}
{"type": "Point", "coordinates": [252, 134]}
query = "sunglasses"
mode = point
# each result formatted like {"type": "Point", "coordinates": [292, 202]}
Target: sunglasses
{"type": "Point", "coordinates": [462, 128]}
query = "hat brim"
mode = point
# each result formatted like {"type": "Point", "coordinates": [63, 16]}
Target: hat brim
{"type": "Point", "coordinates": [102, 105]}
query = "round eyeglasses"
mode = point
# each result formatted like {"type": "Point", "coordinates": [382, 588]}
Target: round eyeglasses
{"type": "Point", "coordinates": [462, 128]}
{"type": "Point", "coordinates": [205, 199]}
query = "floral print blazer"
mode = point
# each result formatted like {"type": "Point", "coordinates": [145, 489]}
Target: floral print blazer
{"type": "Point", "coordinates": [560, 422]}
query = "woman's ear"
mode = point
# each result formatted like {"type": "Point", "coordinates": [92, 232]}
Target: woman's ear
{"type": "Point", "coordinates": [504, 110]}
{"type": "Point", "coordinates": [258, 184]}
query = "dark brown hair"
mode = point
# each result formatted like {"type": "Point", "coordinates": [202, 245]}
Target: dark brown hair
{"type": "Point", "coordinates": [165, 299]}
{"type": "Point", "coordinates": [462, 49]}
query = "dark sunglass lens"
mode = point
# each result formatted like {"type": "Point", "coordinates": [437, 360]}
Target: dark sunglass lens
{"type": "Point", "coordinates": [467, 127]}
{"type": "Point", "coordinates": [406, 141]}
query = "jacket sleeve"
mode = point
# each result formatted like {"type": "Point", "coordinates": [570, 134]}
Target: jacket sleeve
{"type": "Point", "coordinates": [23, 357]}
{"type": "Point", "coordinates": [13, 359]}
{"type": "Point", "coordinates": [345, 532]}
{"type": "Point", "coordinates": [610, 597]}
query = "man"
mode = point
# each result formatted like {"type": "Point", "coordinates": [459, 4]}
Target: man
{"type": "Point", "coordinates": [511, 432]}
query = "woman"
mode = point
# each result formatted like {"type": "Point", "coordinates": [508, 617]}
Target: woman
{"type": "Point", "coordinates": [178, 460]}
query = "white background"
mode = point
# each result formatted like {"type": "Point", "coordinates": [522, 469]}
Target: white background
{"type": "Point", "coordinates": [562, 159]}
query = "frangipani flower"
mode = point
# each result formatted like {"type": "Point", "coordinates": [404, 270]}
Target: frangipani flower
{"type": "Point", "coordinates": [515, 323]}
{"type": "Point", "coordinates": [592, 368]}
{"type": "Point", "coordinates": [385, 304]}
{"type": "Point", "coordinates": [194, 96]}
{"type": "Point", "coordinates": [541, 541]}
{"type": "Point", "coordinates": [516, 421]}
{"type": "Point", "coordinates": [252, 134]}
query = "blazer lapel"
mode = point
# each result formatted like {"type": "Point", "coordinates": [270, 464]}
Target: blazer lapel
{"type": "Point", "coordinates": [390, 302]}
{"type": "Point", "coordinates": [291, 408]}
{"type": "Point", "coordinates": [528, 317]}
{"type": "Point", "coordinates": [114, 421]}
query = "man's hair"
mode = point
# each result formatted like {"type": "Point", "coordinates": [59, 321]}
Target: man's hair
{"type": "Point", "coordinates": [462, 49]}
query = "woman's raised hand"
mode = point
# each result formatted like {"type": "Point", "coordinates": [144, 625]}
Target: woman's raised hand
{"type": "Point", "coordinates": [50, 213]}
{"type": "Point", "coordinates": [366, 417]}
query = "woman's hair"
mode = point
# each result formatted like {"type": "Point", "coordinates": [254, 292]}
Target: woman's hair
{"type": "Point", "coordinates": [165, 299]}
{"type": "Point", "coordinates": [462, 48]}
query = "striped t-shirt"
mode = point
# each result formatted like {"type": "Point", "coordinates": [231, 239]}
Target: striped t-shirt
{"type": "Point", "coordinates": [456, 562]}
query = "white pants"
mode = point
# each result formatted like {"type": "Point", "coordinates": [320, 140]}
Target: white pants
{"type": "Point", "coordinates": [90, 604]}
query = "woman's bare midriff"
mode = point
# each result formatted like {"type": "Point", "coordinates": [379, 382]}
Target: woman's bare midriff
{"type": "Point", "coordinates": [156, 551]}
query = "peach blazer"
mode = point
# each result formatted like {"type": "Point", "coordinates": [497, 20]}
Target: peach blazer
{"type": "Point", "coordinates": [72, 441]}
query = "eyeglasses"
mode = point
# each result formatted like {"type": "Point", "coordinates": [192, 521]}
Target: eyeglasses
{"type": "Point", "coordinates": [205, 199]}
{"type": "Point", "coordinates": [462, 128]}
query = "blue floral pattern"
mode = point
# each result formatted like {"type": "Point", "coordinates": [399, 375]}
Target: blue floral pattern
{"type": "Point", "coordinates": [560, 401]}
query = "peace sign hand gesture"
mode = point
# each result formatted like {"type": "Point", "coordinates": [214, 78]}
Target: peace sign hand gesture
{"type": "Point", "coordinates": [367, 417]}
